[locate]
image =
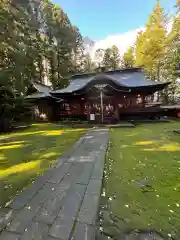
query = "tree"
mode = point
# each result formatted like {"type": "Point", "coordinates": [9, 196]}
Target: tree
{"type": "Point", "coordinates": [12, 107]}
{"type": "Point", "coordinates": [174, 36]}
{"type": "Point", "coordinates": [115, 58]}
{"type": "Point", "coordinates": [107, 59]}
{"type": "Point", "coordinates": [78, 53]}
{"type": "Point", "coordinates": [99, 54]}
{"type": "Point", "coordinates": [89, 65]}
{"type": "Point", "coordinates": [111, 59]}
{"type": "Point", "coordinates": [178, 5]}
{"type": "Point", "coordinates": [171, 63]}
{"type": "Point", "coordinates": [150, 44]}
{"type": "Point", "coordinates": [128, 58]}
{"type": "Point", "coordinates": [37, 39]}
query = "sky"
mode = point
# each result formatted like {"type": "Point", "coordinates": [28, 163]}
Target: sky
{"type": "Point", "coordinates": [111, 22]}
{"type": "Point", "coordinates": [99, 19]}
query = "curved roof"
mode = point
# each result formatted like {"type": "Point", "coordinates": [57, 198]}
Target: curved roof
{"type": "Point", "coordinates": [43, 89]}
{"type": "Point", "coordinates": [75, 85]}
{"type": "Point", "coordinates": [37, 95]}
{"type": "Point", "coordinates": [128, 78]}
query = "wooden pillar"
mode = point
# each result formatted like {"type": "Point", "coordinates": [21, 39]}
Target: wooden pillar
{"type": "Point", "coordinates": [143, 101]}
{"type": "Point", "coordinates": [82, 107]}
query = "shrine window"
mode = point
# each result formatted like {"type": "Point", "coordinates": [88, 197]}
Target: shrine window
{"type": "Point", "coordinates": [120, 105]}
{"type": "Point", "coordinates": [139, 99]}
{"type": "Point", "coordinates": [148, 98]}
{"type": "Point", "coordinates": [76, 108]}
{"type": "Point", "coordinates": [66, 106]}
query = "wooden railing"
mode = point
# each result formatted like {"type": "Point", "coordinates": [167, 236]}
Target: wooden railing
{"type": "Point", "coordinates": [140, 109]}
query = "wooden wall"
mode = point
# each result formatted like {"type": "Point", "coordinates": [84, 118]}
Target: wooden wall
{"type": "Point", "coordinates": [43, 110]}
{"type": "Point", "coordinates": [77, 105]}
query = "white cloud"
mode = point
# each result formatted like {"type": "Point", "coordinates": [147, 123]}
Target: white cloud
{"type": "Point", "coordinates": [169, 26]}
{"type": "Point", "coordinates": [122, 41]}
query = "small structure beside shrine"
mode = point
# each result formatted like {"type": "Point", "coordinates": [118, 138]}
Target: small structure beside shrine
{"type": "Point", "coordinates": [104, 97]}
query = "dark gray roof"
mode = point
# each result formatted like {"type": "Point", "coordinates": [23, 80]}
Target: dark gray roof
{"type": "Point", "coordinates": [136, 79]}
{"type": "Point", "coordinates": [75, 85]}
{"type": "Point", "coordinates": [43, 91]}
{"type": "Point", "coordinates": [36, 95]}
{"type": "Point", "coordinates": [130, 78]}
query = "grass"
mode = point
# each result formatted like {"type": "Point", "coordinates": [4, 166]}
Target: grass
{"type": "Point", "coordinates": [141, 190]}
{"type": "Point", "coordinates": [26, 154]}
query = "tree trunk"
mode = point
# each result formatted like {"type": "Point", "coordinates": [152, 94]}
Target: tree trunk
{"type": "Point", "coordinates": [58, 62]}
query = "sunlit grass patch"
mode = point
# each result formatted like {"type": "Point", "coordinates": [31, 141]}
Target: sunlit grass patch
{"type": "Point", "coordinates": [49, 154]}
{"type": "Point", "coordinates": [19, 168]}
{"type": "Point", "coordinates": [11, 143]}
{"type": "Point", "coordinates": [20, 134]}
{"type": "Point", "coordinates": [41, 125]}
{"type": "Point", "coordinates": [53, 132]}
{"type": "Point", "coordinates": [26, 154]}
{"type": "Point", "coordinates": [75, 130]}
{"type": "Point", "coordinates": [142, 181]}
{"type": "Point", "coordinates": [144, 143]}
{"type": "Point", "coordinates": [10, 146]}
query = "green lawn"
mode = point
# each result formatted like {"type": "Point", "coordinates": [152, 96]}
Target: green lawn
{"type": "Point", "coordinates": [142, 181]}
{"type": "Point", "coordinates": [26, 154]}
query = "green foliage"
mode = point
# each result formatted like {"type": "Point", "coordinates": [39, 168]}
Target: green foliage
{"type": "Point", "coordinates": [178, 5]}
{"type": "Point", "coordinates": [150, 44]}
{"type": "Point", "coordinates": [111, 59]}
{"type": "Point", "coordinates": [128, 58]}
{"type": "Point", "coordinates": [89, 65]}
{"type": "Point", "coordinates": [37, 39]}
{"type": "Point", "coordinates": [13, 107]}
{"type": "Point", "coordinates": [99, 54]}
{"type": "Point", "coordinates": [107, 59]}
{"type": "Point", "coordinates": [158, 52]}
{"type": "Point", "coordinates": [6, 107]}
{"type": "Point", "coordinates": [170, 69]}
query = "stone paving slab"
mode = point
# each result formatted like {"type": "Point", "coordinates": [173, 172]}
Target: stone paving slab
{"type": "Point", "coordinates": [73, 201]}
{"type": "Point", "coordinates": [84, 232]}
{"type": "Point", "coordinates": [74, 173]}
{"type": "Point", "coordinates": [28, 194]}
{"type": "Point", "coordinates": [50, 209]}
{"type": "Point", "coordinates": [86, 173]}
{"type": "Point", "coordinates": [6, 215]}
{"type": "Point", "coordinates": [35, 231]}
{"type": "Point", "coordinates": [51, 238]}
{"type": "Point", "coordinates": [23, 219]}
{"type": "Point", "coordinates": [30, 210]}
{"type": "Point", "coordinates": [9, 236]}
{"type": "Point", "coordinates": [62, 227]}
{"type": "Point", "coordinates": [94, 187]}
{"type": "Point", "coordinates": [59, 173]}
{"type": "Point", "coordinates": [43, 194]}
{"type": "Point", "coordinates": [63, 203]}
{"type": "Point", "coordinates": [89, 209]}
{"type": "Point", "coordinates": [97, 172]}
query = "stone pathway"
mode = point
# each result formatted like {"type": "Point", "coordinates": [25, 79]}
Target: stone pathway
{"type": "Point", "coordinates": [63, 203]}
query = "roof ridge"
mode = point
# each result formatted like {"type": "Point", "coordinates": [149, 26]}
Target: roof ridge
{"type": "Point", "coordinates": [135, 69]}
{"type": "Point", "coordinates": [42, 84]}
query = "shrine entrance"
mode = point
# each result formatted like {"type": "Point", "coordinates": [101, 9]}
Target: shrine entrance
{"type": "Point", "coordinates": [100, 106]}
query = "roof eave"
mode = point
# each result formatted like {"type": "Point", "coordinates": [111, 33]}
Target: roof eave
{"type": "Point", "coordinates": [159, 85]}
{"type": "Point", "coordinates": [31, 98]}
{"type": "Point", "coordinates": [135, 69]}
{"type": "Point", "coordinates": [151, 85]}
